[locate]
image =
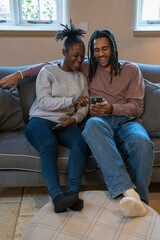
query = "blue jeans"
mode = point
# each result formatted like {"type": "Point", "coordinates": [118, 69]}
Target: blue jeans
{"type": "Point", "coordinates": [39, 132]}
{"type": "Point", "coordinates": [104, 137]}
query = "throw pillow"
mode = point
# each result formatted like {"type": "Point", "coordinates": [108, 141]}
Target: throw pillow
{"type": "Point", "coordinates": [151, 116]}
{"type": "Point", "coordinates": [11, 117]}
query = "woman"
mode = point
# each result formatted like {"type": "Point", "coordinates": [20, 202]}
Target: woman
{"type": "Point", "coordinates": [62, 97]}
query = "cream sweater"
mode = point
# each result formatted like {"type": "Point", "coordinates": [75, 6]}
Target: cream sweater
{"type": "Point", "coordinates": [55, 89]}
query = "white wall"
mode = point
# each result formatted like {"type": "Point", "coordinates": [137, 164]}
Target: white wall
{"type": "Point", "coordinates": [116, 15]}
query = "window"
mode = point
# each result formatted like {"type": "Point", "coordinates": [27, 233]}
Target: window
{"type": "Point", "coordinates": [148, 15]}
{"type": "Point", "coordinates": [32, 15]}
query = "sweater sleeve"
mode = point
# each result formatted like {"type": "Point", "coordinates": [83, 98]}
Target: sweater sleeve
{"type": "Point", "coordinates": [44, 93]}
{"type": "Point", "coordinates": [134, 105]}
{"type": "Point", "coordinates": [81, 112]}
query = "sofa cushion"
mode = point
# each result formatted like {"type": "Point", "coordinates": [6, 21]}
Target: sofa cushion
{"type": "Point", "coordinates": [22, 156]}
{"type": "Point", "coordinates": [151, 116]}
{"type": "Point", "coordinates": [11, 117]}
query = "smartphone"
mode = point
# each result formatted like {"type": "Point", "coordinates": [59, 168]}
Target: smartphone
{"type": "Point", "coordinates": [59, 126]}
{"type": "Point", "coordinates": [96, 99]}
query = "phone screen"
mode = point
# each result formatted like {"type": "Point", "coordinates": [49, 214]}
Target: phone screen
{"type": "Point", "coordinates": [96, 99]}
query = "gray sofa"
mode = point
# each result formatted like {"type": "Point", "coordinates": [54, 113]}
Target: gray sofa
{"type": "Point", "coordinates": [20, 161]}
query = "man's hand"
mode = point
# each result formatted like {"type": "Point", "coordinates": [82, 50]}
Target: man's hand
{"type": "Point", "coordinates": [100, 108]}
{"type": "Point", "coordinates": [81, 100]}
{"type": "Point", "coordinates": [67, 121]}
{"type": "Point", "coordinates": [13, 79]}
{"type": "Point", "coordinates": [10, 80]}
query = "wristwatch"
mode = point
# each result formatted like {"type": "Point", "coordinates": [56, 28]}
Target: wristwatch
{"type": "Point", "coordinates": [111, 109]}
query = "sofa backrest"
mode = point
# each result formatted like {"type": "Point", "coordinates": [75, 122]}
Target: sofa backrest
{"type": "Point", "coordinates": [27, 94]}
{"type": "Point", "coordinates": [150, 72]}
{"type": "Point", "coordinates": [26, 87]}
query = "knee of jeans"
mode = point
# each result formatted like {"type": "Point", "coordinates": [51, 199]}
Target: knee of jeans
{"type": "Point", "coordinates": [79, 143]}
{"type": "Point", "coordinates": [146, 146]}
{"type": "Point", "coordinates": [143, 144]}
{"type": "Point", "coordinates": [90, 125]}
{"type": "Point", "coordinates": [49, 150]}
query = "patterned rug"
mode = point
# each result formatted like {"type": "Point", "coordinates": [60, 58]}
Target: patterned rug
{"type": "Point", "coordinates": [100, 219]}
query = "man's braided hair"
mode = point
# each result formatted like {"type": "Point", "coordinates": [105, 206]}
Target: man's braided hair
{"type": "Point", "coordinates": [72, 35]}
{"type": "Point", "coordinates": [93, 62]}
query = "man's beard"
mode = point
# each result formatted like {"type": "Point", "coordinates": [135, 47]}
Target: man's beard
{"type": "Point", "coordinates": [110, 60]}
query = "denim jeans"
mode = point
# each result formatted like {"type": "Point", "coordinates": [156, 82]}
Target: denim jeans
{"type": "Point", "coordinates": [39, 132]}
{"type": "Point", "coordinates": [106, 138]}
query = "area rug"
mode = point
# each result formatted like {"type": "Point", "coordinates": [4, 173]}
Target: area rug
{"type": "Point", "coordinates": [100, 219]}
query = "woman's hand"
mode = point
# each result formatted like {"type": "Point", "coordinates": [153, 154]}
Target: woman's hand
{"type": "Point", "coordinates": [100, 108]}
{"type": "Point", "coordinates": [67, 121]}
{"type": "Point", "coordinates": [10, 80]}
{"type": "Point", "coordinates": [81, 100]}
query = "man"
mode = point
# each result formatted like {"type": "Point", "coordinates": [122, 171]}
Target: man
{"type": "Point", "coordinates": [108, 130]}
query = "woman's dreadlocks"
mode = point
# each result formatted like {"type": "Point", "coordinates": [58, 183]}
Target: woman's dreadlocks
{"type": "Point", "coordinates": [93, 62]}
{"type": "Point", "coordinates": [72, 34]}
